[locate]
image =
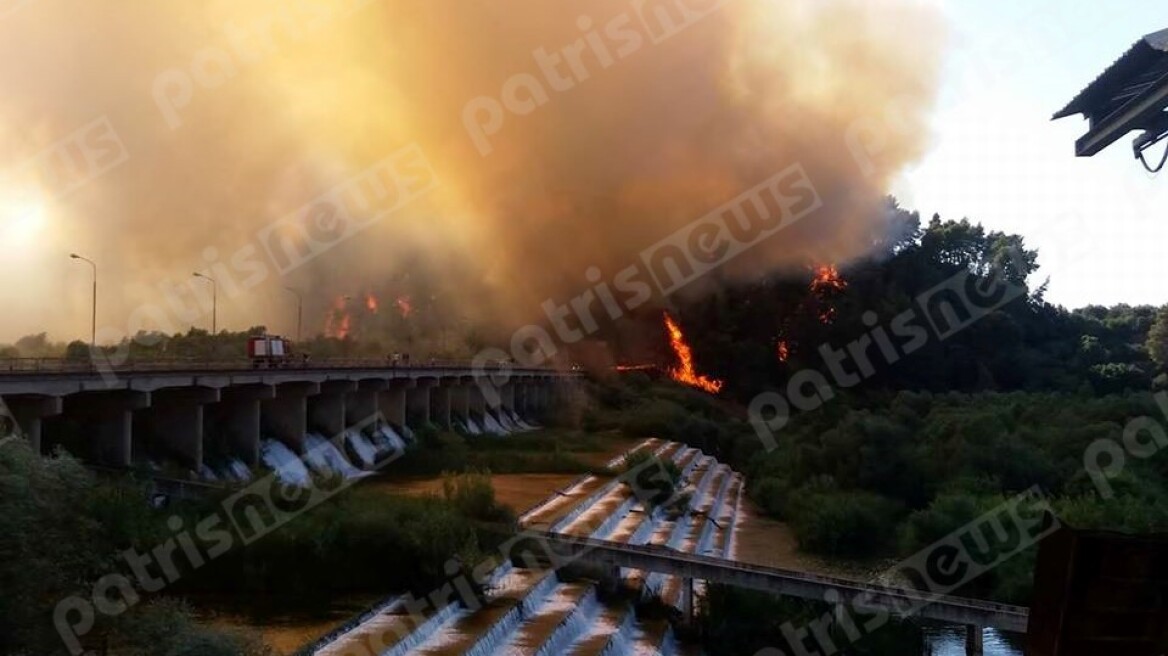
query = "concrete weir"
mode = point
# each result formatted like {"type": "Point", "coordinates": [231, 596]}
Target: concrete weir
{"type": "Point", "coordinates": [189, 416]}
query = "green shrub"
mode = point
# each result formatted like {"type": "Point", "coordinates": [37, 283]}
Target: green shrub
{"type": "Point", "coordinates": [166, 628]}
{"type": "Point", "coordinates": [473, 495]}
{"type": "Point", "coordinates": [850, 524]}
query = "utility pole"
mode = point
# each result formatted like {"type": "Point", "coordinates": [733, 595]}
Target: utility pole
{"type": "Point", "coordinates": [93, 322]}
{"type": "Point", "coordinates": [214, 302]}
{"type": "Point", "coordinates": [299, 311]}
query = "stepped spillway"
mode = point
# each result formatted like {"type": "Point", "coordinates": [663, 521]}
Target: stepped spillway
{"type": "Point", "coordinates": [534, 612]}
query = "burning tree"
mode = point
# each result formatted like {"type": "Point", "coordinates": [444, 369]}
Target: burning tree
{"type": "Point", "coordinates": [686, 372]}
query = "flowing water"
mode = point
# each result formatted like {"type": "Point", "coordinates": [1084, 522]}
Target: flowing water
{"type": "Point", "coordinates": [533, 612]}
{"type": "Point", "coordinates": [492, 425]}
{"type": "Point", "coordinates": [387, 441]}
{"type": "Point", "coordinates": [950, 641]}
{"type": "Point", "coordinates": [324, 457]}
{"type": "Point", "coordinates": [365, 454]}
{"type": "Point", "coordinates": [289, 468]}
{"type": "Point", "coordinates": [236, 470]}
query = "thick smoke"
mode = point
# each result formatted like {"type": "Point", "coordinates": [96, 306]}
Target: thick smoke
{"type": "Point", "coordinates": [555, 140]}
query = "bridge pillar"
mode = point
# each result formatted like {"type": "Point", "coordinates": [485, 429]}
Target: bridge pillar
{"type": "Point", "coordinates": [974, 640]}
{"type": "Point", "coordinates": [361, 406]}
{"type": "Point", "coordinates": [29, 412]}
{"type": "Point", "coordinates": [285, 416]}
{"type": "Point", "coordinates": [687, 599]}
{"type": "Point", "coordinates": [233, 424]}
{"type": "Point", "coordinates": [476, 405]}
{"type": "Point", "coordinates": [542, 395]}
{"type": "Point", "coordinates": [520, 399]}
{"type": "Point", "coordinates": [418, 403]}
{"type": "Point", "coordinates": [109, 418]}
{"type": "Point", "coordinates": [326, 409]}
{"type": "Point", "coordinates": [174, 423]}
{"type": "Point", "coordinates": [392, 403]}
{"type": "Point", "coordinates": [440, 405]}
{"type": "Point", "coordinates": [507, 396]}
{"type": "Point", "coordinates": [460, 399]}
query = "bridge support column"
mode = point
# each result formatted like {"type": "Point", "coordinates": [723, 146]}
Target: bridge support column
{"type": "Point", "coordinates": [29, 412]}
{"type": "Point", "coordinates": [362, 407]}
{"type": "Point", "coordinates": [493, 394]}
{"type": "Point", "coordinates": [460, 400]}
{"type": "Point", "coordinates": [522, 399]}
{"type": "Point", "coordinates": [392, 403]}
{"type": "Point", "coordinates": [174, 423]}
{"type": "Point", "coordinates": [235, 421]}
{"type": "Point", "coordinates": [476, 405]}
{"type": "Point", "coordinates": [974, 640]}
{"type": "Point", "coordinates": [418, 404]}
{"type": "Point", "coordinates": [326, 409]}
{"type": "Point", "coordinates": [109, 418]}
{"type": "Point", "coordinates": [687, 599]}
{"type": "Point", "coordinates": [507, 396]}
{"type": "Point", "coordinates": [440, 404]}
{"type": "Point", "coordinates": [542, 396]}
{"type": "Point", "coordinates": [286, 415]}
{"type": "Point", "coordinates": [612, 582]}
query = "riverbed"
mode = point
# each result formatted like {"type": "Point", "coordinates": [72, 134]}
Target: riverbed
{"type": "Point", "coordinates": [534, 612]}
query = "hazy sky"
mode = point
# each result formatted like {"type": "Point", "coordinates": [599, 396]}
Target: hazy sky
{"type": "Point", "coordinates": [282, 129]}
{"type": "Point", "coordinates": [997, 158]}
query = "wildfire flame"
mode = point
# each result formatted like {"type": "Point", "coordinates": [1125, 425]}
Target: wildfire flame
{"type": "Point", "coordinates": [783, 350]}
{"type": "Point", "coordinates": [828, 279]}
{"type": "Point", "coordinates": [685, 373]}
{"type": "Point", "coordinates": [371, 303]}
{"type": "Point", "coordinates": [405, 306]}
{"type": "Point", "coordinates": [338, 322]}
{"type": "Point", "coordinates": [625, 368]}
{"type": "Point", "coordinates": [826, 283]}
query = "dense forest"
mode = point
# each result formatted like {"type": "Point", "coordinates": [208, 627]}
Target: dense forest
{"type": "Point", "coordinates": [918, 429]}
{"type": "Point", "coordinates": [913, 438]}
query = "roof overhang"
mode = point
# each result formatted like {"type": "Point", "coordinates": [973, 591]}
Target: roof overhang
{"type": "Point", "coordinates": [1132, 94]}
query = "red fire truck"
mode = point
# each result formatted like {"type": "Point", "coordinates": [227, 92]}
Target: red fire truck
{"type": "Point", "coordinates": [269, 352]}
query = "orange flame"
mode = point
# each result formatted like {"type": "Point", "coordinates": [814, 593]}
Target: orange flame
{"type": "Point", "coordinates": [685, 373]}
{"type": "Point", "coordinates": [338, 323]}
{"type": "Point", "coordinates": [828, 279]}
{"type": "Point", "coordinates": [625, 368]}
{"type": "Point", "coordinates": [784, 350]}
{"type": "Point", "coordinates": [371, 303]}
{"type": "Point", "coordinates": [827, 282]}
{"type": "Point", "coordinates": [405, 306]}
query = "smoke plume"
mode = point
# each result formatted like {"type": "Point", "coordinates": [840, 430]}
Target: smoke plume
{"type": "Point", "coordinates": [556, 140]}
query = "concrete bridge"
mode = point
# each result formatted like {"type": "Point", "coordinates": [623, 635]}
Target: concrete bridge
{"type": "Point", "coordinates": [974, 614]}
{"type": "Point", "coordinates": [185, 411]}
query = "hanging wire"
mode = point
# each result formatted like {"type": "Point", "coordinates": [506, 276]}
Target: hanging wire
{"type": "Point", "coordinates": [1159, 167]}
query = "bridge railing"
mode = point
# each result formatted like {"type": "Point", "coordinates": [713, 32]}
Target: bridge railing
{"type": "Point", "coordinates": [68, 366]}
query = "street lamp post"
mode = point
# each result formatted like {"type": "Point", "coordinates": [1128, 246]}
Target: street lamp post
{"type": "Point", "coordinates": [93, 324]}
{"type": "Point", "coordinates": [299, 311]}
{"type": "Point", "coordinates": [214, 302]}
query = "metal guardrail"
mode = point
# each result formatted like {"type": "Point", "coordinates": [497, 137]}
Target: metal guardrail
{"type": "Point", "coordinates": [733, 565]}
{"type": "Point", "coordinates": [65, 366]}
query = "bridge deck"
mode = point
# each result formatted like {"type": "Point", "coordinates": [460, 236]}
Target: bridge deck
{"type": "Point", "coordinates": [869, 598]}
